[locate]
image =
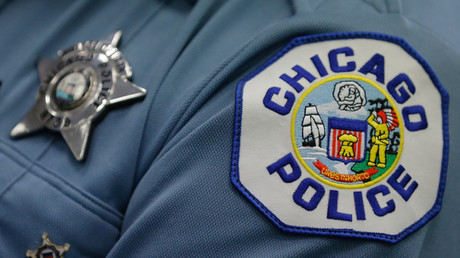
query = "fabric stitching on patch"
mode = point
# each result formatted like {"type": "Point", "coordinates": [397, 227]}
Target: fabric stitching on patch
{"type": "Point", "coordinates": [238, 120]}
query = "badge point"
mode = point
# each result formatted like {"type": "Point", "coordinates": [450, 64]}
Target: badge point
{"type": "Point", "coordinates": [115, 38]}
{"type": "Point", "coordinates": [28, 125]}
{"type": "Point", "coordinates": [77, 139]}
{"type": "Point", "coordinates": [124, 90]}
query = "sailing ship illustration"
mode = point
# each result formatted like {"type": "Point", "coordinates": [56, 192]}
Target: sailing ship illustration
{"type": "Point", "coordinates": [312, 127]}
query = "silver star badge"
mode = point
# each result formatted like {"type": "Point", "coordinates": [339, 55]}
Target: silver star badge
{"type": "Point", "coordinates": [76, 88]}
{"type": "Point", "coordinates": [48, 249]}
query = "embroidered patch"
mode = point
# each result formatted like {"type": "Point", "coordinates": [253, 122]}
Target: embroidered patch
{"type": "Point", "coordinates": [343, 134]}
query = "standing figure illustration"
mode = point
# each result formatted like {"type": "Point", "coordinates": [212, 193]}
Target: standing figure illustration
{"type": "Point", "coordinates": [383, 122]}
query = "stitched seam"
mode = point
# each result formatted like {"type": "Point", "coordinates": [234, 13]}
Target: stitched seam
{"type": "Point", "coordinates": [209, 80]}
{"type": "Point", "coordinates": [17, 152]}
{"type": "Point", "coordinates": [375, 7]}
{"type": "Point", "coordinates": [448, 42]}
{"type": "Point", "coordinates": [4, 4]}
{"type": "Point", "coordinates": [216, 116]}
{"type": "Point", "coordinates": [52, 174]}
{"type": "Point", "coordinates": [13, 182]}
{"type": "Point", "coordinates": [292, 8]}
{"type": "Point", "coordinates": [83, 194]}
{"type": "Point", "coordinates": [48, 145]}
{"type": "Point", "coordinates": [155, 92]}
{"type": "Point", "coordinates": [213, 77]}
{"type": "Point", "coordinates": [71, 198]}
{"type": "Point", "coordinates": [140, 27]}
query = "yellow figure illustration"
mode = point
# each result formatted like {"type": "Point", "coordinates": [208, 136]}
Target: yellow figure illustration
{"type": "Point", "coordinates": [379, 140]}
{"type": "Point", "coordinates": [347, 140]}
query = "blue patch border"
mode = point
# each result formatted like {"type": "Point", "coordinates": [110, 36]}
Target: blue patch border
{"type": "Point", "coordinates": [234, 174]}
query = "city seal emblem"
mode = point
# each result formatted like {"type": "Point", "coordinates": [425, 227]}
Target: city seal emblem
{"type": "Point", "coordinates": [361, 122]}
{"type": "Point", "coordinates": [343, 134]}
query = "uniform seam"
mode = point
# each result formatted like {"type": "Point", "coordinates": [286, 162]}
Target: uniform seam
{"type": "Point", "coordinates": [292, 8]}
{"type": "Point", "coordinates": [214, 77]}
{"type": "Point", "coordinates": [448, 42]}
{"type": "Point", "coordinates": [28, 166]}
{"type": "Point", "coordinates": [81, 204]}
{"type": "Point", "coordinates": [13, 182]}
{"type": "Point", "coordinates": [4, 4]}
{"type": "Point", "coordinates": [177, 51]}
{"type": "Point", "coordinates": [191, 133]}
{"type": "Point", "coordinates": [390, 10]}
{"type": "Point", "coordinates": [140, 27]}
{"type": "Point", "coordinates": [82, 193]}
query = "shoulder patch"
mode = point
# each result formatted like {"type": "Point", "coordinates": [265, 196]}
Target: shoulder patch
{"type": "Point", "coordinates": [343, 134]}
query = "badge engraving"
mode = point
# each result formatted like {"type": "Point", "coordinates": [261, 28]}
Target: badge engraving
{"type": "Point", "coordinates": [48, 249]}
{"type": "Point", "coordinates": [76, 88]}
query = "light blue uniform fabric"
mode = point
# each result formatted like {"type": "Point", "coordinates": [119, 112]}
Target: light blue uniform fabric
{"type": "Point", "coordinates": [156, 181]}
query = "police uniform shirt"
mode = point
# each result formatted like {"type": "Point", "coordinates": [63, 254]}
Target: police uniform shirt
{"type": "Point", "coordinates": [156, 181]}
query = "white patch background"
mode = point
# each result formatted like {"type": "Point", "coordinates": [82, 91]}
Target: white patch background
{"type": "Point", "coordinates": [266, 137]}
